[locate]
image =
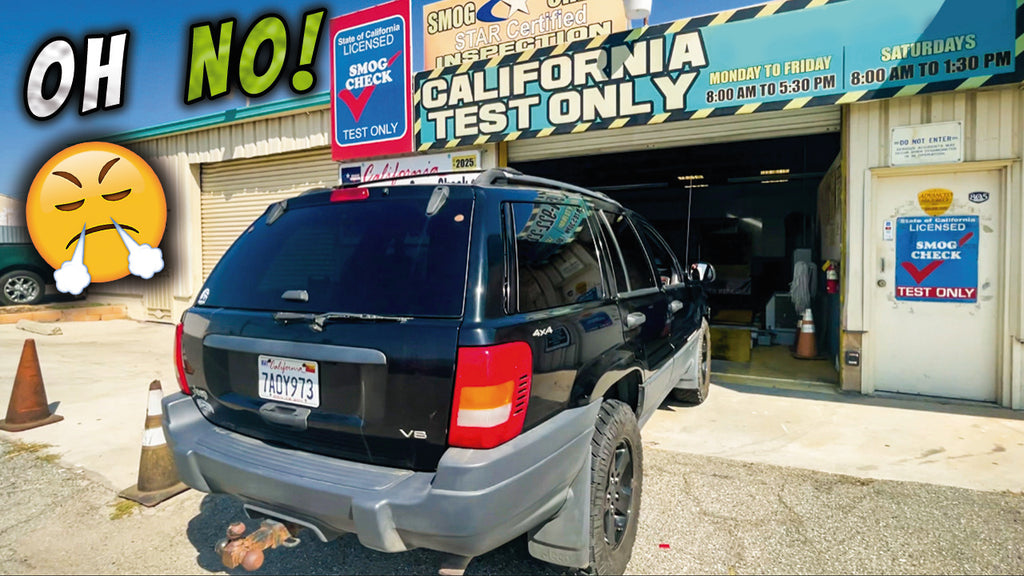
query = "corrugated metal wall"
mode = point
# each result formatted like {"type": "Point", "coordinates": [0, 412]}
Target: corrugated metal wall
{"type": "Point", "coordinates": [287, 133]}
{"type": "Point", "coordinates": [14, 235]}
{"type": "Point", "coordinates": [307, 169]}
{"type": "Point", "coordinates": [830, 212]}
{"type": "Point", "coordinates": [176, 160]}
{"type": "Point", "coordinates": [235, 193]}
{"type": "Point", "coordinates": [12, 211]}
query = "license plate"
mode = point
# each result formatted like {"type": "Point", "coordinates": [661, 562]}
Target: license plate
{"type": "Point", "coordinates": [289, 380]}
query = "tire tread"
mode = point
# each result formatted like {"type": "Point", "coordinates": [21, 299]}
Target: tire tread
{"type": "Point", "coordinates": [614, 420]}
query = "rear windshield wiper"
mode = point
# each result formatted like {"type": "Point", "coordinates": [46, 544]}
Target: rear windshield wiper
{"type": "Point", "coordinates": [318, 321]}
{"type": "Point", "coordinates": [286, 317]}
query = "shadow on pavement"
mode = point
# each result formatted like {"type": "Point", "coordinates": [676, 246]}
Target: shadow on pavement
{"type": "Point", "coordinates": [886, 400]}
{"type": "Point", "coordinates": [53, 297]}
{"type": "Point", "coordinates": [343, 556]}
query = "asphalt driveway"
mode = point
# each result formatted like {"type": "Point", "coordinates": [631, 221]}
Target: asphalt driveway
{"type": "Point", "coordinates": [755, 480]}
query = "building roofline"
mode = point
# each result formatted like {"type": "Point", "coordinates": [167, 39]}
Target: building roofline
{"type": "Point", "coordinates": [225, 117]}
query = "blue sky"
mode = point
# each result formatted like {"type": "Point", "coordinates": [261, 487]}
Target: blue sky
{"type": "Point", "coordinates": [156, 67]}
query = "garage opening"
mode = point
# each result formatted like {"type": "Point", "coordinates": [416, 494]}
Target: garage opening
{"type": "Point", "coordinates": [767, 214]}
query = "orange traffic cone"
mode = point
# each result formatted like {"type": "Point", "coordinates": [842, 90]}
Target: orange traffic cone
{"type": "Point", "coordinates": [158, 477]}
{"type": "Point", "coordinates": [806, 347]}
{"type": "Point", "coordinates": [28, 407]}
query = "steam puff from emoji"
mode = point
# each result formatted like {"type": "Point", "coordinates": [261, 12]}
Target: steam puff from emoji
{"type": "Point", "coordinates": [144, 260]}
{"type": "Point", "coordinates": [73, 276]}
{"type": "Point", "coordinates": [99, 209]}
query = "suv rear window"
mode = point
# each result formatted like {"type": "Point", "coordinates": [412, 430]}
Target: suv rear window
{"type": "Point", "coordinates": [372, 256]}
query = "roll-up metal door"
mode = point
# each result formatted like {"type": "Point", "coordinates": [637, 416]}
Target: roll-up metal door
{"type": "Point", "coordinates": [236, 192]}
{"type": "Point", "coordinates": [778, 124]}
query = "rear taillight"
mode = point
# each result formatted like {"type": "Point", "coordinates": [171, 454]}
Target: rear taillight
{"type": "Point", "coordinates": [349, 194]}
{"type": "Point", "coordinates": [179, 360]}
{"type": "Point", "coordinates": [492, 391]}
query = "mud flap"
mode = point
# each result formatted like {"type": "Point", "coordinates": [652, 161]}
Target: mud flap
{"type": "Point", "coordinates": [688, 363]}
{"type": "Point", "coordinates": [565, 539]}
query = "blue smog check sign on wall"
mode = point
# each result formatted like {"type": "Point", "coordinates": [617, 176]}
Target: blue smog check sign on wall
{"type": "Point", "coordinates": [370, 93]}
{"type": "Point", "coordinates": [937, 259]}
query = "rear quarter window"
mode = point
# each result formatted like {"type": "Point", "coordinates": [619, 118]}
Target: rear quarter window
{"type": "Point", "coordinates": [555, 255]}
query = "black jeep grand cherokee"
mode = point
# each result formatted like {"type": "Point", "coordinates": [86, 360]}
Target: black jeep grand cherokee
{"type": "Point", "coordinates": [446, 366]}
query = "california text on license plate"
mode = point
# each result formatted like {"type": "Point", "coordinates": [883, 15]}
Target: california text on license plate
{"type": "Point", "coordinates": [289, 380]}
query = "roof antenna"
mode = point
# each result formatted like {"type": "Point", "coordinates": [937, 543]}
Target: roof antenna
{"type": "Point", "coordinates": [689, 206]}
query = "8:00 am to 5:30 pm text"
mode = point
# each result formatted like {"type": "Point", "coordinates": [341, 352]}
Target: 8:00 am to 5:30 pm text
{"type": "Point", "coordinates": [790, 87]}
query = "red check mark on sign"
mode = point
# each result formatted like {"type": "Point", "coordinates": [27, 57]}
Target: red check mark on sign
{"type": "Point", "coordinates": [357, 103]}
{"type": "Point", "coordinates": [920, 275]}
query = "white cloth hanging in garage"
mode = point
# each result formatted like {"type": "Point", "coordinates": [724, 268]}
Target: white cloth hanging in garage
{"type": "Point", "coordinates": [803, 286]}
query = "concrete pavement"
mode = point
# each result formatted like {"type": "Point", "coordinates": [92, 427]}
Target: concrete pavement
{"type": "Point", "coordinates": [948, 443]}
{"type": "Point", "coordinates": [98, 374]}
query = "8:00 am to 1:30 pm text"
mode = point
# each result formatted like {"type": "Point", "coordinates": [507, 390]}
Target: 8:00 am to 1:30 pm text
{"type": "Point", "coordinates": [929, 68]}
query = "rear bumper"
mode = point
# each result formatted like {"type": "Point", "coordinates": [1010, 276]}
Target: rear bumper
{"type": "Point", "coordinates": [476, 501]}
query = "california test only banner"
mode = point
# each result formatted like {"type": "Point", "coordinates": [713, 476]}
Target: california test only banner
{"type": "Point", "coordinates": [780, 55]}
{"type": "Point", "coordinates": [370, 82]}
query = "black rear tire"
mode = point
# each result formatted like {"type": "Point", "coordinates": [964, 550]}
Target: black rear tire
{"type": "Point", "coordinates": [21, 288]}
{"type": "Point", "coordinates": [616, 472]}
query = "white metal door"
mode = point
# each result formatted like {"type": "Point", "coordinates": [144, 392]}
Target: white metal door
{"type": "Point", "coordinates": [930, 333]}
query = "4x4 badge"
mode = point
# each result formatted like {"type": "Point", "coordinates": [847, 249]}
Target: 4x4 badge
{"type": "Point", "coordinates": [538, 332]}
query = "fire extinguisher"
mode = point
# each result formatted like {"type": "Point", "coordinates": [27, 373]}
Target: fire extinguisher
{"type": "Point", "coordinates": [831, 277]}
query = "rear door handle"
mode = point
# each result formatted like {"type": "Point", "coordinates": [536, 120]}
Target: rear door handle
{"type": "Point", "coordinates": [674, 306]}
{"type": "Point", "coordinates": [635, 320]}
{"type": "Point", "coordinates": [285, 415]}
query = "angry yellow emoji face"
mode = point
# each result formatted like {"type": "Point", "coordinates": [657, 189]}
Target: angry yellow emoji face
{"type": "Point", "coordinates": [91, 186]}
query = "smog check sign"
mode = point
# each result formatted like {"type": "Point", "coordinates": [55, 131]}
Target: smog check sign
{"type": "Point", "coordinates": [370, 82]}
{"type": "Point", "coordinates": [937, 259]}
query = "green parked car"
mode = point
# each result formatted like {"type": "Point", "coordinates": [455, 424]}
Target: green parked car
{"type": "Point", "coordinates": [23, 273]}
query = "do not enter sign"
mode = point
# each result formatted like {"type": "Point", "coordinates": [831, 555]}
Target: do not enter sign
{"type": "Point", "coordinates": [937, 259]}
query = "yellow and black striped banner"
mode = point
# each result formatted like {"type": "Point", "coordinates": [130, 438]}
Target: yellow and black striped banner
{"type": "Point", "coordinates": [1008, 64]}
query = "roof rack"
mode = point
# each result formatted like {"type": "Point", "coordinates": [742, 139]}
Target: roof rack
{"type": "Point", "coordinates": [494, 176]}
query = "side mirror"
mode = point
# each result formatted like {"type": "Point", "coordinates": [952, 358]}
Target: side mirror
{"type": "Point", "coordinates": [702, 272]}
